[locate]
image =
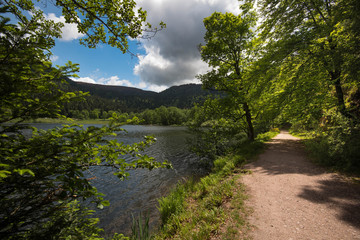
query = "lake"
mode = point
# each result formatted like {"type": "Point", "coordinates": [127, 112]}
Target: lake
{"type": "Point", "coordinates": [139, 193]}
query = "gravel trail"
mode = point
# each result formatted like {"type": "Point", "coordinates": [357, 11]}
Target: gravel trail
{"type": "Point", "coordinates": [293, 199]}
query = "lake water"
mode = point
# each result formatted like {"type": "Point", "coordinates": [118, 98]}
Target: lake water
{"type": "Point", "coordinates": [139, 193]}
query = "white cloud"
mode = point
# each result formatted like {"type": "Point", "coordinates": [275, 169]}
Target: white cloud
{"type": "Point", "coordinates": [156, 88]}
{"type": "Point", "coordinates": [54, 58]}
{"type": "Point", "coordinates": [153, 58]}
{"type": "Point", "coordinates": [84, 79]}
{"type": "Point", "coordinates": [142, 85]}
{"type": "Point", "coordinates": [69, 31]}
{"type": "Point", "coordinates": [115, 81]}
{"type": "Point", "coordinates": [172, 56]}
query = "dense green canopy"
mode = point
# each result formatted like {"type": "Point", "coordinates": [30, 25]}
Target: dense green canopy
{"type": "Point", "coordinates": [296, 65]}
{"type": "Point", "coordinates": [42, 172]}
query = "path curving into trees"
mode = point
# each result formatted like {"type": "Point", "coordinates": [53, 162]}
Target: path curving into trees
{"type": "Point", "coordinates": [293, 199]}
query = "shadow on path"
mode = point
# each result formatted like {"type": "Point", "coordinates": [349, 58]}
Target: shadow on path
{"type": "Point", "coordinates": [287, 156]}
{"type": "Point", "coordinates": [337, 194]}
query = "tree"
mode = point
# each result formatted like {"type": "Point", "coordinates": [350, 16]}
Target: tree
{"type": "Point", "coordinates": [94, 114]}
{"type": "Point", "coordinates": [110, 22]}
{"type": "Point", "coordinates": [313, 45]}
{"type": "Point", "coordinates": [228, 49]}
{"type": "Point", "coordinates": [317, 37]}
{"type": "Point", "coordinates": [42, 172]}
{"type": "Point", "coordinates": [216, 129]}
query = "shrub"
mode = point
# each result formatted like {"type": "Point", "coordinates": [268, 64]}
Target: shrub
{"type": "Point", "coordinates": [336, 144]}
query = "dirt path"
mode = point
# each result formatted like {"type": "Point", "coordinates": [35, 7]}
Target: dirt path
{"type": "Point", "coordinates": [293, 199]}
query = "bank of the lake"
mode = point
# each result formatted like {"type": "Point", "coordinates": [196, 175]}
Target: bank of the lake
{"type": "Point", "coordinates": [213, 206]}
{"type": "Point", "coordinates": [196, 208]}
{"type": "Point", "coordinates": [68, 121]}
{"type": "Point", "coordinates": [139, 193]}
{"type": "Point", "coordinates": [86, 121]}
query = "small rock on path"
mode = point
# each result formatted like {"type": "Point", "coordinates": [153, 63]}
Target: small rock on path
{"type": "Point", "coordinates": [293, 199]}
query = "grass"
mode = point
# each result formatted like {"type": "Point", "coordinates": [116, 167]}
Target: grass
{"type": "Point", "coordinates": [140, 227]}
{"type": "Point", "coordinates": [198, 212]}
{"type": "Point", "coordinates": [238, 226]}
{"type": "Point", "coordinates": [305, 135]}
{"type": "Point", "coordinates": [335, 152]}
{"type": "Point", "coordinates": [213, 206]}
{"type": "Point", "coordinates": [263, 137]}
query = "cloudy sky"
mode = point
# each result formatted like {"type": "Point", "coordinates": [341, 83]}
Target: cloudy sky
{"type": "Point", "coordinates": [170, 58]}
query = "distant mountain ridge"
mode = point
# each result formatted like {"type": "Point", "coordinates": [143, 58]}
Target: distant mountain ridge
{"type": "Point", "coordinates": [130, 99]}
{"type": "Point", "coordinates": [108, 91]}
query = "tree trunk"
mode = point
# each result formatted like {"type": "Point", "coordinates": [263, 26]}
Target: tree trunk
{"type": "Point", "coordinates": [335, 78]}
{"type": "Point", "coordinates": [250, 133]}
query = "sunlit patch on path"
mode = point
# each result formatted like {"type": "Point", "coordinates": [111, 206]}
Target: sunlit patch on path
{"type": "Point", "coordinates": [293, 199]}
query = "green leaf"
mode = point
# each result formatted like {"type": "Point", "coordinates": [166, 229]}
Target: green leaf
{"type": "Point", "coordinates": [105, 203]}
{"type": "Point", "coordinates": [24, 171]}
{"type": "Point", "coordinates": [4, 173]}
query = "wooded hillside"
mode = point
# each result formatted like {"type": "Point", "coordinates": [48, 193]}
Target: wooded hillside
{"type": "Point", "coordinates": [128, 99]}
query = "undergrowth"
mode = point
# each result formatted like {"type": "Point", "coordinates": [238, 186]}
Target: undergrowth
{"type": "Point", "coordinates": [334, 145]}
{"type": "Point", "coordinates": [263, 137]}
{"type": "Point", "coordinates": [198, 210]}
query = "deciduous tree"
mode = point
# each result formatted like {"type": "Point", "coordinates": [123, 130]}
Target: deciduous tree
{"type": "Point", "coordinates": [316, 37]}
{"type": "Point", "coordinates": [42, 179]}
{"type": "Point", "coordinates": [228, 49]}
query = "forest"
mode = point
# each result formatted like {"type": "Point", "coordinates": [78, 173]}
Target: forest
{"type": "Point", "coordinates": [174, 106]}
{"type": "Point", "coordinates": [127, 99]}
{"type": "Point", "coordinates": [279, 64]}
{"type": "Point", "coordinates": [165, 116]}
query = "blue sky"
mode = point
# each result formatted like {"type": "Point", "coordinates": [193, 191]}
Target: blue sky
{"type": "Point", "coordinates": [170, 58]}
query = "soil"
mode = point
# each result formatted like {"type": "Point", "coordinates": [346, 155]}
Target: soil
{"type": "Point", "coordinates": [292, 198]}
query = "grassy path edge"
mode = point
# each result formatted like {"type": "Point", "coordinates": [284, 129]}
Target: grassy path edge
{"type": "Point", "coordinates": [212, 208]}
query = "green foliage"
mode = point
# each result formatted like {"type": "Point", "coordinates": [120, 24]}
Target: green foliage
{"type": "Point", "coordinates": [42, 172]}
{"type": "Point", "coordinates": [29, 90]}
{"type": "Point", "coordinates": [238, 215]}
{"type": "Point", "coordinates": [195, 210]}
{"type": "Point", "coordinates": [140, 228]}
{"type": "Point", "coordinates": [216, 129]}
{"type": "Point", "coordinates": [313, 62]}
{"type": "Point", "coordinates": [336, 143]}
{"type": "Point", "coordinates": [164, 116]}
{"type": "Point", "coordinates": [229, 50]}
{"type": "Point", "coordinates": [226, 164]}
{"type": "Point", "coordinates": [73, 215]}
{"type": "Point", "coordinates": [170, 116]}
{"type": "Point", "coordinates": [197, 222]}
{"type": "Point", "coordinates": [221, 138]}
{"type": "Point", "coordinates": [268, 135]}
{"type": "Point", "coordinates": [108, 22]}
{"type": "Point", "coordinates": [126, 100]}
{"type": "Point", "coordinates": [304, 64]}
{"type": "Point", "coordinates": [316, 52]}
{"type": "Point", "coordinates": [173, 204]}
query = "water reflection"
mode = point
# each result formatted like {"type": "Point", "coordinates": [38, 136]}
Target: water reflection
{"type": "Point", "coordinates": [140, 191]}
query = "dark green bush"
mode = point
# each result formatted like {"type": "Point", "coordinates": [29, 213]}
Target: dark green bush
{"type": "Point", "coordinates": [337, 144]}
